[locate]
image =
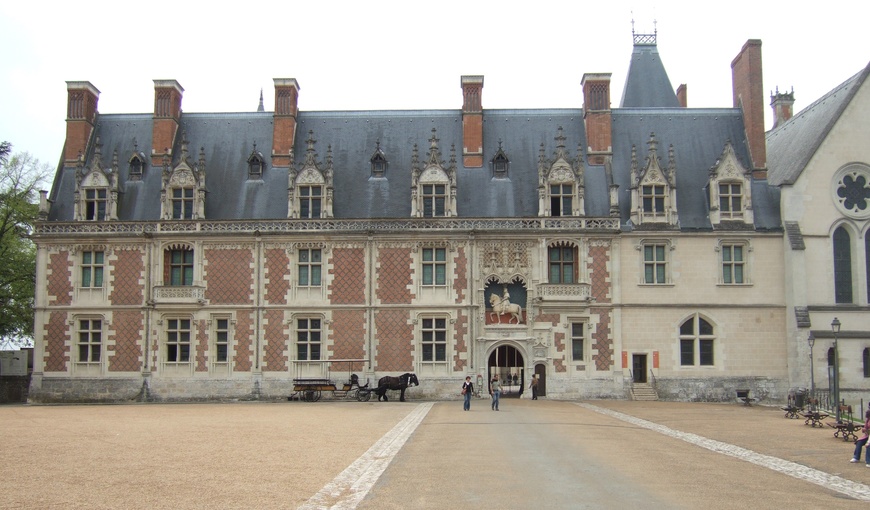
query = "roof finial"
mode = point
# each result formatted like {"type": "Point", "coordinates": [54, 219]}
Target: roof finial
{"type": "Point", "coordinates": [260, 108]}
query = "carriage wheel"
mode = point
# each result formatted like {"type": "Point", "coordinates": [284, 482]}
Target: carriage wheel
{"type": "Point", "coordinates": [364, 395]}
{"type": "Point", "coordinates": [311, 395]}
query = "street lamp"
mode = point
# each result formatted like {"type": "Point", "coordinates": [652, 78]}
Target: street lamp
{"type": "Point", "coordinates": [811, 341]}
{"type": "Point", "coordinates": [835, 327]}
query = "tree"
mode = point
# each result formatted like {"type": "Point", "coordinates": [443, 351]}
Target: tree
{"type": "Point", "coordinates": [21, 177]}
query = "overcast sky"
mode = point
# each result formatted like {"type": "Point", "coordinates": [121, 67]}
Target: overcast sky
{"type": "Point", "coordinates": [395, 55]}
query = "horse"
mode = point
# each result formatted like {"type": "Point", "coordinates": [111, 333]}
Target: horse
{"type": "Point", "coordinates": [502, 306]}
{"type": "Point", "coordinates": [395, 383]}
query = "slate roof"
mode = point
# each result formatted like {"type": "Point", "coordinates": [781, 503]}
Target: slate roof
{"type": "Point", "coordinates": [698, 137]}
{"type": "Point", "coordinates": [647, 84]}
{"type": "Point", "coordinates": [791, 145]}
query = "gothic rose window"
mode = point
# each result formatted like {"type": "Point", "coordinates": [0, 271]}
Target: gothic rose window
{"type": "Point", "coordinates": [854, 192]}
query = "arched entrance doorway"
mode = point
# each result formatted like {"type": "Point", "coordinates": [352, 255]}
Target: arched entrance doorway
{"type": "Point", "coordinates": [541, 374]}
{"type": "Point", "coordinates": [507, 362]}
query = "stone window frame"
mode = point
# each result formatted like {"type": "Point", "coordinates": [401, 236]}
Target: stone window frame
{"type": "Point", "coordinates": [92, 198]}
{"type": "Point", "coordinates": [178, 331]}
{"type": "Point", "coordinates": [309, 265]}
{"type": "Point", "coordinates": [697, 338]}
{"type": "Point", "coordinates": [319, 332]}
{"type": "Point", "coordinates": [846, 201]}
{"type": "Point", "coordinates": [667, 263]}
{"type": "Point", "coordinates": [89, 345]}
{"type": "Point", "coordinates": [434, 264]}
{"type": "Point", "coordinates": [722, 249]}
{"type": "Point", "coordinates": [220, 325]}
{"type": "Point", "coordinates": [183, 206]}
{"type": "Point", "coordinates": [95, 268]}
{"type": "Point", "coordinates": [574, 263]}
{"type": "Point", "coordinates": [191, 267]}
{"type": "Point", "coordinates": [428, 323]}
{"type": "Point", "coordinates": [583, 338]}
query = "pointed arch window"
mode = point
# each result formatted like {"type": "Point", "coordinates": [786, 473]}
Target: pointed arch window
{"type": "Point", "coordinates": [842, 266]}
{"type": "Point", "coordinates": [697, 342]}
{"type": "Point", "coordinates": [500, 164]}
{"type": "Point", "coordinates": [137, 166]}
{"type": "Point", "coordinates": [378, 162]}
{"type": "Point", "coordinates": [256, 164]}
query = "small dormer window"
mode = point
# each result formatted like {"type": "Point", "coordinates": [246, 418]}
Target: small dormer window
{"type": "Point", "coordinates": [730, 192]}
{"type": "Point", "coordinates": [500, 164]}
{"type": "Point", "coordinates": [256, 164]}
{"type": "Point", "coordinates": [730, 200]}
{"type": "Point", "coordinates": [95, 204]}
{"type": "Point", "coordinates": [379, 162]}
{"type": "Point", "coordinates": [136, 168]}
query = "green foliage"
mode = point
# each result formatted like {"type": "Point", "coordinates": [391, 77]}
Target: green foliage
{"type": "Point", "coordinates": [20, 179]}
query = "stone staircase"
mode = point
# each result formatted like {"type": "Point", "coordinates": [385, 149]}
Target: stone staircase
{"type": "Point", "coordinates": [643, 391]}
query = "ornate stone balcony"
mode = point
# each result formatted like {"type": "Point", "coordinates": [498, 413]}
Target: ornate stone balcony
{"type": "Point", "coordinates": [575, 292]}
{"type": "Point", "coordinates": [186, 294]}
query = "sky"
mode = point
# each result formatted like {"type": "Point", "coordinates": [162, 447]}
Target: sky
{"type": "Point", "coordinates": [398, 55]}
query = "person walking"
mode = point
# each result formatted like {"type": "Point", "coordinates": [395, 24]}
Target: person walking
{"type": "Point", "coordinates": [467, 390]}
{"type": "Point", "coordinates": [495, 391]}
{"type": "Point", "coordinates": [534, 387]}
{"type": "Point", "coordinates": [860, 443]}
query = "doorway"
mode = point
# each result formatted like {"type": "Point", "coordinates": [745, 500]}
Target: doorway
{"type": "Point", "coordinates": [507, 362]}
{"type": "Point", "coordinates": [638, 370]}
{"type": "Point", "coordinates": [541, 374]}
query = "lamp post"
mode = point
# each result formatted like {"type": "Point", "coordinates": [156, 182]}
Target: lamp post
{"type": "Point", "coordinates": [811, 341]}
{"type": "Point", "coordinates": [835, 327]}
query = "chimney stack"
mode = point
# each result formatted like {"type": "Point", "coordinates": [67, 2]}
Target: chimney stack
{"type": "Point", "coordinates": [597, 116]}
{"type": "Point", "coordinates": [81, 115]}
{"type": "Point", "coordinates": [472, 121]}
{"type": "Point", "coordinates": [284, 120]}
{"type": "Point", "coordinates": [782, 104]}
{"type": "Point", "coordinates": [746, 78]}
{"type": "Point", "coordinates": [682, 95]}
{"type": "Point", "coordinates": [167, 117]}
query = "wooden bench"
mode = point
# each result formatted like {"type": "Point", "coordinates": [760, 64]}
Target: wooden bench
{"type": "Point", "coordinates": [846, 429]}
{"type": "Point", "coordinates": [743, 396]}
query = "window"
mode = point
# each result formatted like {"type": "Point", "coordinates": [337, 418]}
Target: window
{"type": "Point", "coordinates": [92, 269]}
{"type": "Point", "coordinates": [655, 263]}
{"type": "Point", "coordinates": [221, 340]}
{"type": "Point", "coordinates": [653, 199]}
{"type": "Point", "coordinates": [842, 266]}
{"type": "Point", "coordinates": [255, 167]}
{"type": "Point", "coordinates": [500, 164]}
{"type": "Point", "coordinates": [90, 340]}
{"type": "Point", "coordinates": [577, 338]}
{"type": "Point", "coordinates": [866, 359]}
{"type": "Point", "coordinates": [178, 341]}
{"type": "Point", "coordinates": [95, 204]}
{"type": "Point", "coordinates": [434, 266]}
{"type": "Point", "coordinates": [309, 267]}
{"type": "Point", "coordinates": [180, 267]}
{"type": "Point", "coordinates": [830, 356]}
{"type": "Point", "coordinates": [696, 336]}
{"type": "Point", "coordinates": [434, 339]}
{"type": "Point", "coordinates": [182, 203]}
{"type": "Point", "coordinates": [562, 264]}
{"type": "Point", "coordinates": [309, 201]}
{"type": "Point", "coordinates": [136, 166]}
{"type": "Point", "coordinates": [561, 196]}
{"type": "Point", "coordinates": [730, 200]}
{"type": "Point", "coordinates": [379, 164]}
{"type": "Point", "coordinates": [867, 262]}
{"type": "Point", "coordinates": [434, 200]}
{"type": "Point", "coordinates": [732, 264]}
{"type": "Point", "coordinates": [308, 339]}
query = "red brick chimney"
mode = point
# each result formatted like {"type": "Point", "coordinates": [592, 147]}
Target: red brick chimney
{"type": "Point", "coordinates": [167, 116]}
{"type": "Point", "coordinates": [746, 80]}
{"type": "Point", "coordinates": [682, 95]}
{"type": "Point", "coordinates": [472, 121]}
{"type": "Point", "coordinates": [81, 114]}
{"type": "Point", "coordinates": [284, 123]}
{"type": "Point", "coordinates": [782, 104]}
{"type": "Point", "coordinates": [596, 115]}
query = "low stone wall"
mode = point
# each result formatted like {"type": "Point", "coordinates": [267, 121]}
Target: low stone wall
{"type": "Point", "coordinates": [721, 389]}
{"type": "Point", "coordinates": [13, 389]}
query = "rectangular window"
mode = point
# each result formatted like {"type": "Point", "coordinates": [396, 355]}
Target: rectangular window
{"type": "Point", "coordinates": [178, 341]}
{"type": "Point", "coordinates": [434, 339]}
{"type": "Point", "coordinates": [182, 203]}
{"type": "Point", "coordinates": [732, 264]}
{"type": "Point", "coordinates": [95, 204]}
{"type": "Point", "coordinates": [687, 352]}
{"type": "Point", "coordinates": [561, 264]}
{"type": "Point", "coordinates": [90, 340]}
{"type": "Point", "coordinates": [308, 339]}
{"type": "Point", "coordinates": [654, 263]}
{"type": "Point", "coordinates": [180, 267]}
{"type": "Point", "coordinates": [92, 269]}
{"type": "Point", "coordinates": [221, 340]}
{"type": "Point", "coordinates": [309, 267]}
{"type": "Point", "coordinates": [309, 201]}
{"type": "Point", "coordinates": [434, 266]}
{"type": "Point", "coordinates": [731, 200]}
{"type": "Point", "coordinates": [653, 199]}
{"type": "Point", "coordinates": [434, 200]}
{"type": "Point", "coordinates": [705, 351]}
{"type": "Point", "coordinates": [577, 341]}
{"type": "Point", "coordinates": [561, 199]}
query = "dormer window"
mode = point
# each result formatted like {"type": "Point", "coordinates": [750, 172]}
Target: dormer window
{"type": "Point", "coordinates": [561, 188]}
{"type": "Point", "coordinates": [654, 200]}
{"type": "Point", "coordinates": [561, 199]}
{"type": "Point", "coordinates": [183, 191]}
{"type": "Point", "coordinates": [256, 164]}
{"type": "Point", "coordinates": [136, 166]}
{"type": "Point", "coordinates": [434, 199]}
{"type": "Point", "coordinates": [654, 188]}
{"type": "Point", "coordinates": [310, 201]}
{"type": "Point", "coordinates": [500, 164]}
{"type": "Point", "coordinates": [310, 190]}
{"type": "Point", "coordinates": [379, 162]}
{"type": "Point", "coordinates": [96, 192]}
{"type": "Point", "coordinates": [433, 184]}
{"type": "Point", "coordinates": [182, 203]}
{"type": "Point", "coordinates": [730, 192]}
{"type": "Point", "coordinates": [95, 204]}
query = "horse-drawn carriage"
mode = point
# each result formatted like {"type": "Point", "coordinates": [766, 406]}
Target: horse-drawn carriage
{"type": "Point", "coordinates": [311, 389]}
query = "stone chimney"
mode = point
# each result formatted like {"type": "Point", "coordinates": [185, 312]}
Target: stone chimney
{"type": "Point", "coordinates": [682, 95]}
{"type": "Point", "coordinates": [472, 121]}
{"type": "Point", "coordinates": [81, 115]}
{"type": "Point", "coordinates": [782, 104]}
{"type": "Point", "coordinates": [746, 78]}
{"type": "Point", "coordinates": [596, 116]}
{"type": "Point", "coordinates": [167, 117]}
{"type": "Point", "coordinates": [284, 123]}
